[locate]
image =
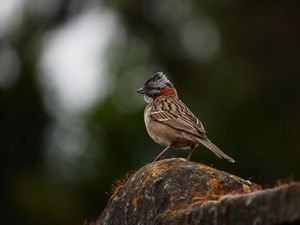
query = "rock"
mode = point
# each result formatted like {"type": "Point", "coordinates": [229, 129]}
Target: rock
{"type": "Point", "coordinates": [177, 191]}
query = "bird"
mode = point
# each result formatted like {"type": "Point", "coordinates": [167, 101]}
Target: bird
{"type": "Point", "coordinates": [169, 122]}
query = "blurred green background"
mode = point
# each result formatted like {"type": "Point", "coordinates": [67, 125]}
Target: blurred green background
{"type": "Point", "coordinates": [71, 122]}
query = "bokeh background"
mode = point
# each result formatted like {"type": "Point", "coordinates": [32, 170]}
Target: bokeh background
{"type": "Point", "coordinates": [71, 122]}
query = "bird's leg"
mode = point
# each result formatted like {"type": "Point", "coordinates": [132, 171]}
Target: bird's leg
{"type": "Point", "coordinates": [191, 152]}
{"type": "Point", "coordinates": [161, 153]}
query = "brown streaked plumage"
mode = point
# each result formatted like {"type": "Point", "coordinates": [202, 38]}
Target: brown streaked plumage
{"type": "Point", "coordinates": [169, 121]}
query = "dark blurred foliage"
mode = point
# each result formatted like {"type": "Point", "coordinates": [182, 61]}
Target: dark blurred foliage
{"type": "Point", "coordinates": [242, 82]}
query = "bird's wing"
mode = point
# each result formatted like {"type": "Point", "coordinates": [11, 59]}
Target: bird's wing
{"type": "Point", "coordinates": [175, 113]}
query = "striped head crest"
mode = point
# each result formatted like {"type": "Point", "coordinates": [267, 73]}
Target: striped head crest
{"type": "Point", "coordinates": [154, 85]}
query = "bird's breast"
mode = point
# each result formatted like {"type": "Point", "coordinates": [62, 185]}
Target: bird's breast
{"type": "Point", "coordinates": [164, 134]}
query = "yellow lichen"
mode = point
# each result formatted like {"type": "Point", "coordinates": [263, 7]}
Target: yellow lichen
{"type": "Point", "coordinates": [203, 167]}
{"type": "Point", "coordinates": [134, 202]}
{"type": "Point", "coordinates": [246, 188]}
{"type": "Point", "coordinates": [213, 182]}
{"type": "Point", "coordinates": [154, 169]}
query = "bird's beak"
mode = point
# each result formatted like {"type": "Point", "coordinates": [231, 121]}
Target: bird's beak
{"type": "Point", "coordinates": [140, 91]}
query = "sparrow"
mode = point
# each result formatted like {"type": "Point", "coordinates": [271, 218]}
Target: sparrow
{"type": "Point", "coordinates": [170, 122]}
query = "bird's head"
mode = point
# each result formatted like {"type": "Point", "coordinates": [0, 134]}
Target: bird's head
{"type": "Point", "coordinates": [156, 86]}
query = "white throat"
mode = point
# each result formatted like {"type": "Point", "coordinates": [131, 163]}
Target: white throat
{"type": "Point", "coordinates": [148, 99]}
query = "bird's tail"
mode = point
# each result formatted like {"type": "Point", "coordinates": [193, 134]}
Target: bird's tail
{"type": "Point", "coordinates": [215, 149]}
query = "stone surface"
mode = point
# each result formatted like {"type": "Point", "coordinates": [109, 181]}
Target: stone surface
{"type": "Point", "coordinates": [177, 191]}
